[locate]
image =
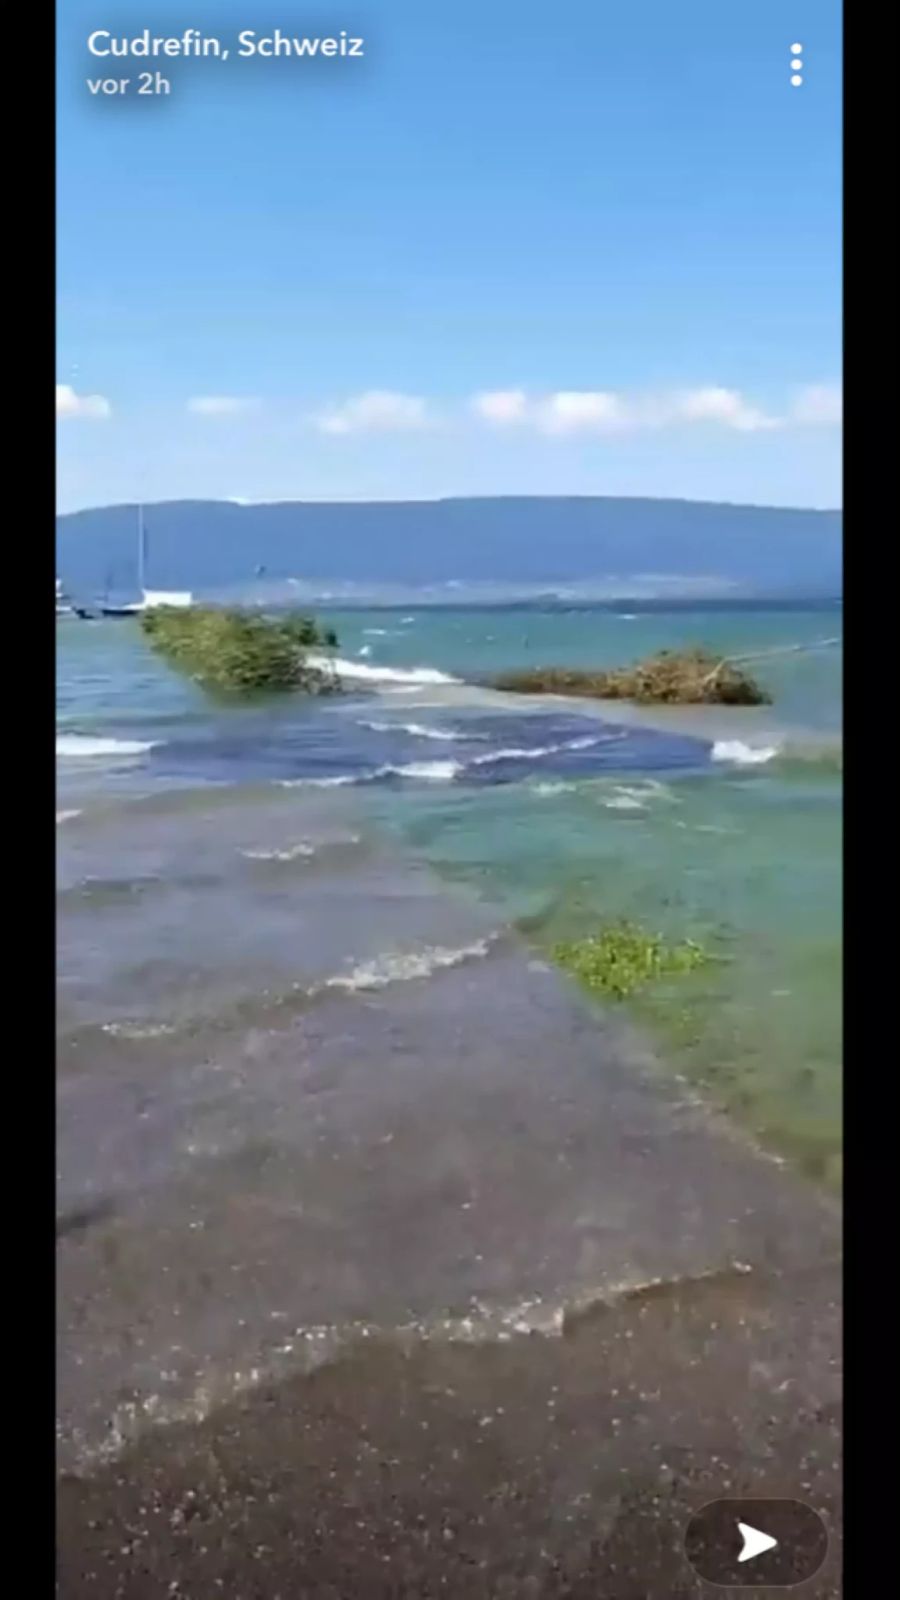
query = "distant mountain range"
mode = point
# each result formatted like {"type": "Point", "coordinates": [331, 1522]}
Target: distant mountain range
{"type": "Point", "coordinates": [507, 547]}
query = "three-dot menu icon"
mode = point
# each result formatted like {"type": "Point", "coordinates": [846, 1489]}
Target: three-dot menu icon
{"type": "Point", "coordinates": [796, 65]}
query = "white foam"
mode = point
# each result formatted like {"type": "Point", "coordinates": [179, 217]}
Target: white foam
{"type": "Point", "coordinates": [552, 788]}
{"type": "Point", "coordinates": [648, 789]}
{"type": "Point", "coordinates": [291, 852]}
{"type": "Point", "coordinates": [536, 751]}
{"type": "Point", "coordinates": [366, 674]}
{"type": "Point", "coordinates": [442, 771]}
{"type": "Point", "coordinates": [337, 782]}
{"type": "Point", "coordinates": [378, 633]}
{"type": "Point", "coordinates": [81, 746]}
{"type": "Point", "coordinates": [138, 1030]}
{"type": "Point", "coordinates": [66, 816]}
{"type": "Point", "coordinates": [624, 802]}
{"type": "Point", "coordinates": [432, 771]}
{"type": "Point", "coordinates": [397, 968]}
{"type": "Point", "coordinates": [310, 1346]}
{"type": "Point", "coordinates": [364, 650]}
{"type": "Point", "coordinates": [416, 729]}
{"type": "Point", "coordinates": [745, 755]}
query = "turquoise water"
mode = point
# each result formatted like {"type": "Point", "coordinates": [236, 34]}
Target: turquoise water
{"type": "Point", "coordinates": [560, 816]}
{"type": "Point", "coordinates": [806, 687]}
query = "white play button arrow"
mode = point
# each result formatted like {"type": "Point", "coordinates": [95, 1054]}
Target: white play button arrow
{"type": "Point", "coordinates": [755, 1542]}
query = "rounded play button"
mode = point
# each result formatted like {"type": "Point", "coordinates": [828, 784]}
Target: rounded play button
{"type": "Point", "coordinates": [756, 1543]}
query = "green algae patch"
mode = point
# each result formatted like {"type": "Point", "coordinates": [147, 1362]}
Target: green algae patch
{"type": "Point", "coordinates": [623, 959]}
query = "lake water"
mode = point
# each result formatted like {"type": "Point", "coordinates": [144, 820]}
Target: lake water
{"type": "Point", "coordinates": [276, 920]}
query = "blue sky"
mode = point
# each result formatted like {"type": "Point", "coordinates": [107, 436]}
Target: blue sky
{"type": "Point", "coordinates": [517, 248]}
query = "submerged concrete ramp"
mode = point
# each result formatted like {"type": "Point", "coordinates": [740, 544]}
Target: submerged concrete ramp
{"type": "Point", "coordinates": [437, 1287]}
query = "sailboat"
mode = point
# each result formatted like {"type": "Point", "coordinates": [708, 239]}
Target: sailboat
{"type": "Point", "coordinates": [64, 606]}
{"type": "Point", "coordinates": [149, 597]}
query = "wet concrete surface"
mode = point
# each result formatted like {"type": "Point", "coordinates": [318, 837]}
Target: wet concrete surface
{"type": "Point", "coordinates": [535, 1466]}
{"type": "Point", "coordinates": [444, 1288]}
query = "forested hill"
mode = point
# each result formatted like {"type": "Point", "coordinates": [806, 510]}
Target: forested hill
{"type": "Point", "coordinates": [620, 546]}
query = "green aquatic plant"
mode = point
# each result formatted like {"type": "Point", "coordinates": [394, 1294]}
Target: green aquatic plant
{"type": "Point", "coordinates": [694, 676]}
{"type": "Point", "coordinates": [242, 652]}
{"type": "Point", "coordinates": [623, 958]}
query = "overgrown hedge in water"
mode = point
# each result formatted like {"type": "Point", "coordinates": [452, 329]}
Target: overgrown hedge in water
{"type": "Point", "coordinates": [673, 677]}
{"type": "Point", "coordinates": [242, 651]}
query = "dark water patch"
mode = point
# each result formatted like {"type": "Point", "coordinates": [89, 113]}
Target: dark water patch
{"type": "Point", "coordinates": [330, 749]}
{"type": "Point", "coordinates": [78, 1219]}
{"type": "Point", "coordinates": [578, 749]}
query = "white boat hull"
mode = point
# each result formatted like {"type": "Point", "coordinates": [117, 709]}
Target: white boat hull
{"type": "Point", "coordinates": [166, 597]}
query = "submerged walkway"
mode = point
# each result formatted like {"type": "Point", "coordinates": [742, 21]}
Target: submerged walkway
{"type": "Point", "coordinates": [460, 1295]}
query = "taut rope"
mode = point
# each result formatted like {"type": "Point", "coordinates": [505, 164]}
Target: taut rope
{"type": "Point", "coordinates": [779, 650]}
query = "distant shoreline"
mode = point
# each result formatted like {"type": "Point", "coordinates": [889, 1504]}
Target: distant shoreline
{"type": "Point", "coordinates": [536, 606]}
{"type": "Point", "coordinates": [639, 606]}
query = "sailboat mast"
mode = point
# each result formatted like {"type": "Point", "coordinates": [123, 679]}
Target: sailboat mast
{"type": "Point", "coordinates": [142, 550]}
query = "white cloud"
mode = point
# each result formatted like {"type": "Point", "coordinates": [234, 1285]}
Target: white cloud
{"type": "Point", "coordinates": [819, 405]}
{"type": "Point", "coordinates": [376, 411]}
{"type": "Point", "coordinates": [70, 404]}
{"type": "Point", "coordinates": [593, 411]}
{"type": "Point", "coordinates": [565, 411]}
{"type": "Point", "coordinates": [581, 411]}
{"type": "Point", "coordinates": [221, 405]}
{"type": "Point", "coordinates": [501, 406]}
{"type": "Point", "coordinates": [726, 406]}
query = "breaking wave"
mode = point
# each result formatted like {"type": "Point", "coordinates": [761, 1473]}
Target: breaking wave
{"type": "Point", "coordinates": [138, 1030]}
{"type": "Point", "coordinates": [397, 968]}
{"type": "Point", "coordinates": [303, 850]}
{"type": "Point", "coordinates": [744, 755]}
{"type": "Point", "coordinates": [81, 746]}
{"type": "Point", "coordinates": [585, 742]}
{"type": "Point", "coordinates": [417, 730]}
{"type": "Point", "coordinates": [432, 771]}
{"type": "Point", "coordinates": [552, 788]}
{"type": "Point", "coordinates": [309, 1347]}
{"type": "Point", "coordinates": [336, 782]}
{"type": "Point", "coordinates": [293, 852]}
{"type": "Point", "coordinates": [435, 771]}
{"type": "Point", "coordinates": [367, 674]}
